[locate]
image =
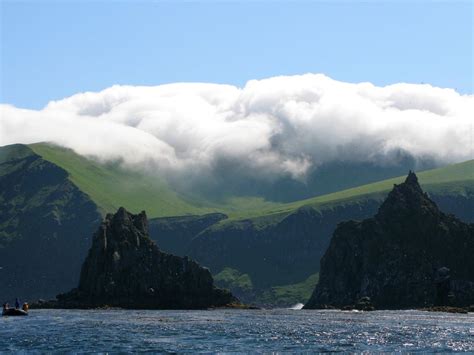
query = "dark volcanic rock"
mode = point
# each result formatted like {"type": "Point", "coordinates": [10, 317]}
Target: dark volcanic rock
{"type": "Point", "coordinates": [286, 251]}
{"type": "Point", "coordinates": [125, 268]}
{"type": "Point", "coordinates": [410, 255]}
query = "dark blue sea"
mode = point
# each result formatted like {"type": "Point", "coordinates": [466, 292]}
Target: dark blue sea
{"type": "Point", "coordinates": [281, 330]}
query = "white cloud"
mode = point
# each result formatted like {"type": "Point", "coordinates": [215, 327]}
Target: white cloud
{"type": "Point", "coordinates": [273, 126]}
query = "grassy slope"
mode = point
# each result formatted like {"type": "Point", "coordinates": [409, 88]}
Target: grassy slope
{"type": "Point", "coordinates": [457, 179]}
{"type": "Point", "coordinates": [110, 187]}
{"type": "Point", "coordinates": [231, 278]}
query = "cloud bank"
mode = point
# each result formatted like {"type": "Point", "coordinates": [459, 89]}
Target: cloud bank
{"type": "Point", "coordinates": [273, 127]}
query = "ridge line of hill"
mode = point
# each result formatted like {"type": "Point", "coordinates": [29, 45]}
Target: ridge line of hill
{"type": "Point", "coordinates": [138, 192]}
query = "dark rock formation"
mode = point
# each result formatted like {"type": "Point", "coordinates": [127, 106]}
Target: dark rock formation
{"type": "Point", "coordinates": [287, 250]}
{"type": "Point", "coordinates": [125, 268]}
{"type": "Point", "coordinates": [410, 255]}
{"type": "Point", "coordinates": [364, 304]}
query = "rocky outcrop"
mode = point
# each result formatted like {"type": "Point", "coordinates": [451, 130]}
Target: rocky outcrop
{"type": "Point", "coordinates": [125, 268]}
{"type": "Point", "coordinates": [287, 250]}
{"type": "Point", "coordinates": [410, 255]}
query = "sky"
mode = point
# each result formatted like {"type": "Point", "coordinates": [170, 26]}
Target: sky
{"type": "Point", "coordinates": [52, 50]}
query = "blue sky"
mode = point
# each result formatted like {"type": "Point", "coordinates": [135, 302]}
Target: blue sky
{"type": "Point", "coordinates": [50, 50]}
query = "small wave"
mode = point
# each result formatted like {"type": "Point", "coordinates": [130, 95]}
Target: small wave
{"type": "Point", "coordinates": [297, 306]}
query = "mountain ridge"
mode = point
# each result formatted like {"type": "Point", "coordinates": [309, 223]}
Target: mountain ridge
{"type": "Point", "coordinates": [443, 181]}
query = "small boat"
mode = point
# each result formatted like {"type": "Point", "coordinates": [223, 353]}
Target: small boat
{"type": "Point", "coordinates": [14, 312]}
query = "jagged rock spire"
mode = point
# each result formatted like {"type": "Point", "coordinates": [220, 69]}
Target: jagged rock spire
{"type": "Point", "coordinates": [412, 179]}
{"type": "Point", "coordinates": [125, 268]}
{"type": "Point", "coordinates": [409, 255]}
{"type": "Point", "coordinates": [407, 199]}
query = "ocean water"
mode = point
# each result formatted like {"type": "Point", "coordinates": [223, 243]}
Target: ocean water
{"type": "Point", "coordinates": [285, 330]}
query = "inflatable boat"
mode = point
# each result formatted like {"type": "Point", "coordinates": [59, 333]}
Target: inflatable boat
{"type": "Point", "coordinates": [14, 312]}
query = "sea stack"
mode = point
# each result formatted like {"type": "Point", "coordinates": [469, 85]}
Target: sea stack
{"type": "Point", "coordinates": [125, 268]}
{"type": "Point", "coordinates": [410, 255]}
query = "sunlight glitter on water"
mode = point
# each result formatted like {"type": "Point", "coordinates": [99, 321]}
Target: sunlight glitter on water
{"type": "Point", "coordinates": [236, 331]}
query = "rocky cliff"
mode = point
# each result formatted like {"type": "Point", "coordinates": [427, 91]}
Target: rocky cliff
{"type": "Point", "coordinates": [125, 268]}
{"type": "Point", "coordinates": [409, 255]}
{"type": "Point", "coordinates": [280, 252]}
{"type": "Point", "coordinates": [45, 226]}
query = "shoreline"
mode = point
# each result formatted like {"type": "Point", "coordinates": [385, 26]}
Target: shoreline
{"type": "Point", "coordinates": [54, 305]}
{"type": "Point", "coordinates": [437, 309]}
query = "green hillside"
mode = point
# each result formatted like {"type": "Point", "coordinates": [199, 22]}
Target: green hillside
{"type": "Point", "coordinates": [456, 179]}
{"type": "Point", "coordinates": [451, 179]}
{"type": "Point", "coordinates": [110, 186]}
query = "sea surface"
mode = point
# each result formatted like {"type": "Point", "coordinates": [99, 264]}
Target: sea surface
{"type": "Point", "coordinates": [280, 330]}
